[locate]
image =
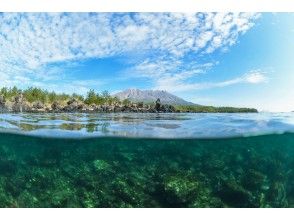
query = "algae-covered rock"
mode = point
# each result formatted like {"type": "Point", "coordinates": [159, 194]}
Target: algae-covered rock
{"type": "Point", "coordinates": [277, 196]}
{"type": "Point", "coordinates": [6, 200]}
{"type": "Point", "coordinates": [101, 165]}
{"type": "Point", "coordinates": [181, 188]}
{"type": "Point", "coordinates": [234, 195]}
{"type": "Point", "coordinates": [7, 167]}
{"type": "Point", "coordinates": [186, 190]}
{"type": "Point", "coordinates": [255, 180]}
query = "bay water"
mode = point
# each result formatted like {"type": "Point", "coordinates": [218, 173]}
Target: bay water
{"type": "Point", "coordinates": [147, 160]}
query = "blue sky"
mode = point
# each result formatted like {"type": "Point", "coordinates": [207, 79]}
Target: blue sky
{"type": "Point", "coordinates": [223, 59]}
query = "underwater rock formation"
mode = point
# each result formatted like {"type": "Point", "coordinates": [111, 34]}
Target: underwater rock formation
{"type": "Point", "coordinates": [117, 172]}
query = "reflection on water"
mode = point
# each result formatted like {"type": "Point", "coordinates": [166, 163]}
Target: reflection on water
{"type": "Point", "coordinates": [166, 125]}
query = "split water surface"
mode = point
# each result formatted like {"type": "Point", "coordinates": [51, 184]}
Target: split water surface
{"type": "Point", "coordinates": [147, 160]}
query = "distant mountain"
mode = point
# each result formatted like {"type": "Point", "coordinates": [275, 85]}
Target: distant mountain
{"type": "Point", "coordinates": [137, 95]}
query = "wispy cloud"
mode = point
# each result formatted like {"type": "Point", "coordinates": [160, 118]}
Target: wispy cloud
{"type": "Point", "coordinates": [30, 42]}
{"type": "Point", "coordinates": [176, 84]}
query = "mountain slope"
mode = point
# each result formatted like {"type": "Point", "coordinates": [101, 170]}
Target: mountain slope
{"type": "Point", "coordinates": [146, 96]}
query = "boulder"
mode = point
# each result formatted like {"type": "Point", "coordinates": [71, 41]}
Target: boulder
{"type": "Point", "coordinates": [20, 107]}
{"type": "Point", "coordinates": [56, 106]}
{"type": "Point", "coordinates": [165, 108]}
{"type": "Point", "coordinates": [157, 105]}
{"type": "Point", "coordinates": [140, 104]}
{"type": "Point", "coordinates": [38, 105]}
{"type": "Point", "coordinates": [2, 100]}
{"type": "Point", "coordinates": [234, 195]}
{"type": "Point", "coordinates": [72, 101]}
{"type": "Point", "coordinates": [73, 105]}
{"type": "Point", "coordinates": [117, 109]}
{"type": "Point", "coordinates": [19, 98]}
{"type": "Point", "coordinates": [2, 104]}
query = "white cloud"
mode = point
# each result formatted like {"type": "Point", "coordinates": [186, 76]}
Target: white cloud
{"type": "Point", "coordinates": [255, 77]}
{"type": "Point", "coordinates": [176, 84]}
{"type": "Point", "coordinates": [30, 42]}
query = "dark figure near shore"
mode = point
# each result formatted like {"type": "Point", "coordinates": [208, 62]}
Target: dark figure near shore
{"type": "Point", "coordinates": [157, 105]}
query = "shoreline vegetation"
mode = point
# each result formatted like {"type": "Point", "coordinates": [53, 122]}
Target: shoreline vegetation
{"type": "Point", "coordinates": [37, 100]}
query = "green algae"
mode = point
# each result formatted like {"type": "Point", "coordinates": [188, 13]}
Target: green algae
{"type": "Point", "coordinates": [121, 172]}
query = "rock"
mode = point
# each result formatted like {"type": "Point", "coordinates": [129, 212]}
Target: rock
{"type": "Point", "coordinates": [180, 188]}
{"type": "Point", "coordinates": [7, 167]}
{"type": "Point", "coordinates": [18, 98]}
{"type": "Point", "coordinates": [167, 108]}
{"type": "Point", "coordinates": [183, 189]}
{"type": "Point", "coordinates": [72, 101]}
{"type": "Point", "coordinates": [234, 195]}
{"type": "Point", "coordinates": [117, 109]}
{"type": "Point", "coordinates": [140, 104]}
{"type": "Point", "coordinates": [99, 108]}
{"type": "Point", "coordinates": [82, 107]}
{"type": "Point", "coordinates": [19, 104]}
{"type": "Point", "coordinates": [38, 105]}
{"type": "Point", "coordinates": [2, 104]}
{"type": "Point", "coordinates": [72, 105]}
{"type": "Point", "coordinates": [101, 165]}
{"type": "Point", "coordinates": [110, 108]}
{"type": "Point", "coordinates": [2, 100]}
{"type": "Point", "coordinates": [20, 107]}
{"type": "Point", "coordinates": [277, 195]}
{"type": "Point", "coordinates": [255, 180]}
{"type": "Point", "coordinates": [157, 105]}
{"type": "Point", "coordinates": [56, 106]}
{"type": "Point", "coordinates": [91, 108]}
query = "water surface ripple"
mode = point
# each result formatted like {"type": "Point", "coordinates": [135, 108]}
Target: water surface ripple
{"type": "Point", "coordinates": [166, 125]}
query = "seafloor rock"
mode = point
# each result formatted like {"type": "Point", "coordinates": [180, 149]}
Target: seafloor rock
{"type": "Point", "coordinates": [101, 165]}
{"type": "Point", "coordinates": [186, 190]}
{"type": "Point", "coordinates": [7, 167]}
{"type": "Point", "coordinates": [181, 188]}
{"type": "Point", "coordinates": [6, 200]}
{"type": "Point", "coordinates": [255, 180]}
{"type": "Point", "coordinates": [277, 195]}
{"type": "Point", "coordinates": [233, 194]}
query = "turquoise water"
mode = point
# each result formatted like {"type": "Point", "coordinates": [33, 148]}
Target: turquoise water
{"type": "Point", "coordinates": [147, 160]}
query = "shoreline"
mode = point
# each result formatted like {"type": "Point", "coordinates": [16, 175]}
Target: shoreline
{"type": "Point", "coordinates": [77, 107]}
{"type": "Point", "coordinates": [36, 100]}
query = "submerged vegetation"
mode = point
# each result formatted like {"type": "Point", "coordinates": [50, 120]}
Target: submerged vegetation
{"type": "Point", "coordinates": [117, 172]}
{"type": "Point", "coordinates": [35, 99]}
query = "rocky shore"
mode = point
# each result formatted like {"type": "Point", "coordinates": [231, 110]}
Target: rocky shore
{"type": "Point", "coordinates": [20, 104]}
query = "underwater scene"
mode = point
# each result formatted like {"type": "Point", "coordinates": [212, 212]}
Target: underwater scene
{"type": "Point", "coordinates": [147, 160]}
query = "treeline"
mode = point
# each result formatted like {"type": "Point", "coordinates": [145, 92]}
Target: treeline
{"type": "Point", "coordinates": [212, 109]}
{"type": "Point", "coordinates": [33, 94]}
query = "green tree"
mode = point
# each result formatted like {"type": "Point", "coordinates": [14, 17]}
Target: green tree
{"type": "Point", "coordinates": [91, 97]}
{"type": "Point", "coordinates": [126, 102]}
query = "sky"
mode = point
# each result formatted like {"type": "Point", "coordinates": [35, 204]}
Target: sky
{"type": "Point", "coordinates": [220, 59]}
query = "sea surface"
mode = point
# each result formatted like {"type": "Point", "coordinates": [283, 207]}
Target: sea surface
{"type": "Point", "coordinates": [147, 160]}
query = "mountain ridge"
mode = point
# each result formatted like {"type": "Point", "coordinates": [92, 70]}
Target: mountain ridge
{"type": "Point", "coordinates": [137, 95]}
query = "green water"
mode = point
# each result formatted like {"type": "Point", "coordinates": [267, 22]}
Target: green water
{"type": "Point", "coordinates": [121, 172]}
